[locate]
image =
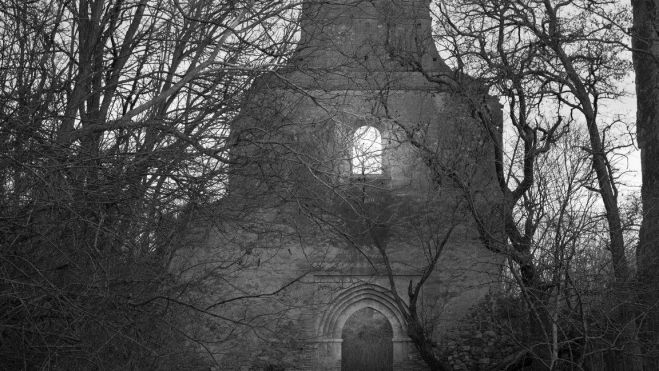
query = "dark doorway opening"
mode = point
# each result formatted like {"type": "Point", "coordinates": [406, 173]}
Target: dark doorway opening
{"type": "Point", "coordinates": [367, 342]}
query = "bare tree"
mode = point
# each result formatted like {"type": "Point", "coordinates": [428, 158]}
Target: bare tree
{"type": "Point", "coordinates": [547, 65]}
{"type": "Point", "coordinates": [555, 64]}
{"type": "Point", "coordinates": [114, 123]}
{"type": "Point", "coordinates": [644, 40]}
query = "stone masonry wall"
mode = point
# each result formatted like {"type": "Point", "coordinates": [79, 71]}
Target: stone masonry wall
{"type": "Point", "coordinates": [297, 244]}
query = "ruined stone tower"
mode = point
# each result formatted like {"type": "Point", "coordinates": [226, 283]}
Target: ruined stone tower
{"type": "Point", "coordinates": [343, 185]}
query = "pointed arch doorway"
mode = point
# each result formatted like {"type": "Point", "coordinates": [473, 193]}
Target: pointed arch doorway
{"type": "Point", "coordinates": [334, 343]}
{"type": "Point", "coordinates": [367, 342]}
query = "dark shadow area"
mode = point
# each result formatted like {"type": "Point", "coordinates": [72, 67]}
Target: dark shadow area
{"type": "Point", "coordinates": [367, 342]}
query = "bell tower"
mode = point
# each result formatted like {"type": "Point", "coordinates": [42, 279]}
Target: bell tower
{"type": "Point", "coordinates": [332, 154]}
{"type": "Point", "coordinates": [366, 67]}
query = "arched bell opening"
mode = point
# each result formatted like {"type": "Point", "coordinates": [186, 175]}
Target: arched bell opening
{"type": "Point", "coordinates": [367, 151]}
{"type": "Point", "coordinates": [367, 342]}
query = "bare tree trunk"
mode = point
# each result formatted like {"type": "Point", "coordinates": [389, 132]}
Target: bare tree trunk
{"type": "Point", "coordinates": [645, 53]}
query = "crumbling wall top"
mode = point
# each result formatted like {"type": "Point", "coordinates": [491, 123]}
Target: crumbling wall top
{"type": "Point", "coordinates": [375, 35]}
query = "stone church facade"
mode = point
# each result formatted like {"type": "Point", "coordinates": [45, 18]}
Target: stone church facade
{"type": "Point", "coordinates": [341, 191]}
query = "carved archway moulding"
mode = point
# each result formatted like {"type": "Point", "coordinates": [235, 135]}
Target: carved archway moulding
{"type": "Point", "coordinates": [330, 325]}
